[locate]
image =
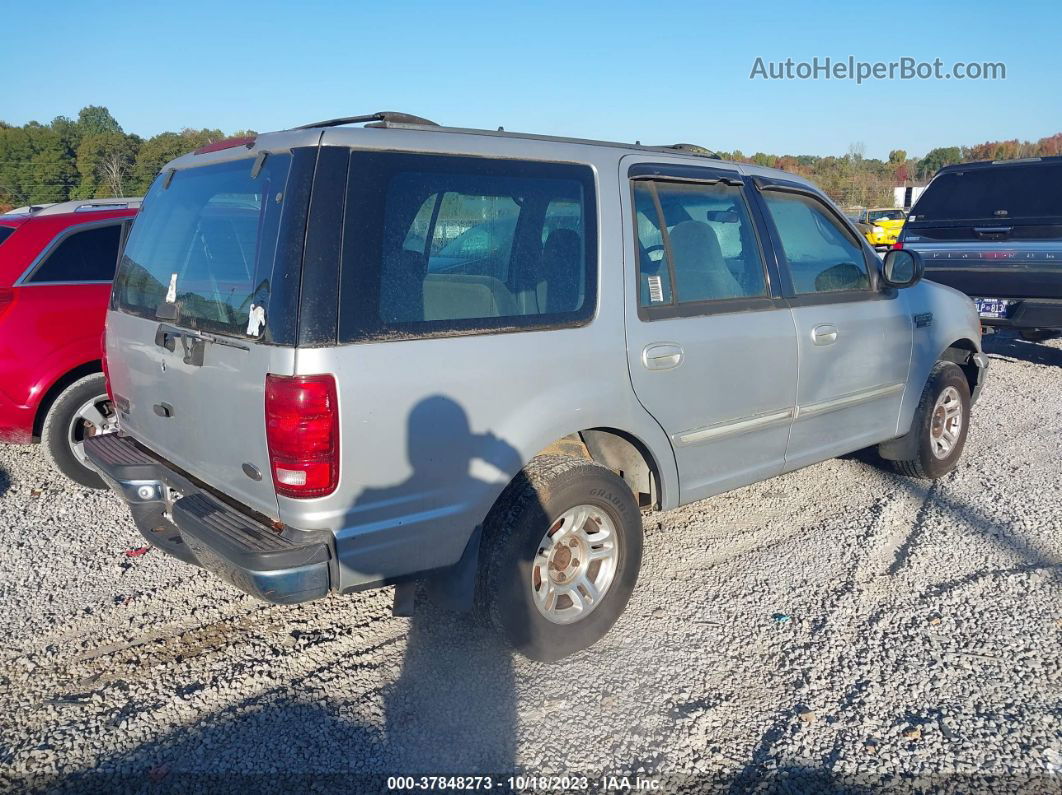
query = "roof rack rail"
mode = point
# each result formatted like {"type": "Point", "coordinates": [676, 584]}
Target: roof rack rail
{"type": "Point", "coordinates": [89, 205]}
{"type": "Point", "coordinates": [385, 117]}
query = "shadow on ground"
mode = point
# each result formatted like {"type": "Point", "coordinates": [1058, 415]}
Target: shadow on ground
{"type": "Point", "coordinates": [1011, 346]}
{"type": "Point", "coordinates": [452, 710]}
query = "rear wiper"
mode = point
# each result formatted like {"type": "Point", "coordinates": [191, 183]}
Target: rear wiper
{"type": "Point", "coordinates": [193, 343]}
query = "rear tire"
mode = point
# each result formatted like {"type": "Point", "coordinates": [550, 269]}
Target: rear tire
{"type": "Point", "coordinates": [561, 552]}
{"type": "Point", "coordinates": [81, 410]}
{"type": "Point", "coordinates": [941, 421]}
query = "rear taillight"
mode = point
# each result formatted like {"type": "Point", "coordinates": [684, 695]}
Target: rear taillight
{"type": "Point", "coordinates": [7, 298]}
{"type": "Point", "coordinates": [103, 361]}
{"type": "Point", "coordinates": [302, 430]}
{"type": "Point", "coordinates": [897, 246]}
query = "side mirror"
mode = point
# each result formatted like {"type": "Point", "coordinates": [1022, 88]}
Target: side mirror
{"type": "Point", "coordinates": [902, 268]}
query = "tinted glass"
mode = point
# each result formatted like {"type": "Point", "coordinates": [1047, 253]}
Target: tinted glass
{"type": "Point", "coordinates": [821, 254]}
{"type": "Point", "coordinates": [707, 238]}
{"type": "Point", "coordinates": [5, 233]}
{"type": "Point", "coordinates": [994, 193]}
{"type": "Point", "coordinates": [211, 235]}
{"type": "Point", "coordinates": [460, 244]}
{"type": "Point", "coordinates": [88, 256]}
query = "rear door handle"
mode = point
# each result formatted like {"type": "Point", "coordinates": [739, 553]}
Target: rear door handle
{"type": "Point", "coordinates": [826, 334]}
{"type": "Point", "coordinates": [662, 355]}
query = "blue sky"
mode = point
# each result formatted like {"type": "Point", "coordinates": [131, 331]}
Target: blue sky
{"type": "Point", "coordinates": [655, 72]}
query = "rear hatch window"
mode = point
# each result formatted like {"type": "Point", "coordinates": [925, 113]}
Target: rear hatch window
{"type": "Point", "coordinates": [202, 248]}
{"type": "Point", "coordinates": [1025, 199]}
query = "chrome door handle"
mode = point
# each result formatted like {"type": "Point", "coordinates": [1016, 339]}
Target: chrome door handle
{"type": "Point", "coordinates": [826, 334]}
{"type": "Point", "coordinates": [662, 355]}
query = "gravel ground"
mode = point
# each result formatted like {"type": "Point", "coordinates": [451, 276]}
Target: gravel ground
{"type": "Point", "coordinates": [836, 627]}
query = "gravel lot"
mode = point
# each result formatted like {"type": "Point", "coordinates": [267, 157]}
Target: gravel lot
{"type": "Point", "coordinates": [839, 626]}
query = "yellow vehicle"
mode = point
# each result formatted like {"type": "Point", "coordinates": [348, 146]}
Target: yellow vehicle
{"type": "Point", "coordinates": [882, 226]}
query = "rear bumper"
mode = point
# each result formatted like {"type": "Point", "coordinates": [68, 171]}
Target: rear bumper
{"type": "Point", "coordinates": [183, 519]}
{"type": "Point", "coordinates": [1030, 313]}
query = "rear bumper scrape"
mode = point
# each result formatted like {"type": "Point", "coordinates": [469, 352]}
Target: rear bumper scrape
{"type": "Point", "coordinates": [188, 522]}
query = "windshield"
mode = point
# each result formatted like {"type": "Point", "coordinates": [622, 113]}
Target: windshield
{"type": "Point", "coordinates": [201, 250]}
{"type": "Point", "coordinates": [997, 193]}
{"type": "Point", "coordinates": [885, 215]}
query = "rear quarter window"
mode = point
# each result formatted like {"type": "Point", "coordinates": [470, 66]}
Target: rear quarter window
{"type": "Point", "coordinates": [5, 233]}
{"type": "Point", "coordinates": [439, 245]}
{"type": "Point", "coordinates": [89, 255]}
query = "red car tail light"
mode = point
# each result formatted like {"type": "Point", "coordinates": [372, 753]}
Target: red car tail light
{"type": "Point", "coordinates": [302, 431]}
{"type": "Point", "coordinates": [897, 246]}
{"type": "Point", "coordinates": [103, 361]}
{"type": "Point", "coordinates": [7, 298]}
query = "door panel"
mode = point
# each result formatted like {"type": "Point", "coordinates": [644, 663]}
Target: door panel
{"type": "Point", "coordinates": [853, 339]}
{"type": "Point", "coordinates": [711, 349]}
{"type": "Point", "coordinates": [728, 405]}
{"type": "Point", "coordinates": [849, 390]}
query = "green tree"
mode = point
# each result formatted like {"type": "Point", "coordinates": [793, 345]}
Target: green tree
{"type": "Point", "coordinates": [936, 159]}
{"type": "Point", "coordinates": [96, 120]}
{"type": "Point", "coordinates": [105, 163]}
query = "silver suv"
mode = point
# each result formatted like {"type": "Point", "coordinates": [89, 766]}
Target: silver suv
{"type": "Point", "coordinates": [346, 357]}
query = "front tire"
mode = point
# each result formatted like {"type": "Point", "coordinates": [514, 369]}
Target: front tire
{"type": "Point", "coordinates": [81, 410]}
{"type": "Point", "coordinates": [941, 422]}
{"type": "Point", "coordinates": [561, 552]}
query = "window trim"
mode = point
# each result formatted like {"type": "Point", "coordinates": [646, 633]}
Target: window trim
{"type": "Point", "coordinates": [875, 291]}
{"type": "Point", "coordinates": [26, 279]}
{"type": "Point", "coordinates": [652, 174]}
{"type": "Point", "coordinates": [366, 303]}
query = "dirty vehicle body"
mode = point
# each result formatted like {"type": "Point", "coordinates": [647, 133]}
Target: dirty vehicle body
{"type": "Point", "coordinates": [56, 266]}
{"type": "Point", "coordinates": [994, 231]}
{"type": "Point", "coordinates": [348, 357]}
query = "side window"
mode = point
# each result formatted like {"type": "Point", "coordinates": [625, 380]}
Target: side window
{"type": "Point", "coordinates": [822, 256]}
{"type": "Point", "coordinates": [695, 243]}
{"type": "Point", "coordinates": [89, 256]}
{"type": "Point", "coordinates": [449, 244]}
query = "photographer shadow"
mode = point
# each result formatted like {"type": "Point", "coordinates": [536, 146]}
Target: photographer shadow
{"type": "Point", "coordinates": [451, 711]}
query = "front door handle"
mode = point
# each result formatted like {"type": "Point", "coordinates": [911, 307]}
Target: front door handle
{"type": "Point", "coordinates": [826, 334]}
{"type": "Point", "coordinates": [662, 355]}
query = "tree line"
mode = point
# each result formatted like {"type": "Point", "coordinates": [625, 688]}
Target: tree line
{"type": "Point", "coordinates": [853, 180]}
{"type": "Point", "coordinates": [92, 157]}
{"type": "Point", "coordinates": [85, 158]}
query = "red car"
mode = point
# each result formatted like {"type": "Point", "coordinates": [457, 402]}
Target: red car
{"type": "Point", "coordinates": [56, 266]}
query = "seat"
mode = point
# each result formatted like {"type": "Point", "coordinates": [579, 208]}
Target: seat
{"type": "Point", "coordinates": [461, 297]}
{"type": "Point", "coordinates": [701, 272]}
{"type": "Point", "coordinates": [562, 272]}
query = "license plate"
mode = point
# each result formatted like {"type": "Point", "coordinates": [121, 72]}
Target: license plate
{"type": "Point", "coordinates": [992, 307]}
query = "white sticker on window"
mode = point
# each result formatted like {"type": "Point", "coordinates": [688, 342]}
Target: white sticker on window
{"type": "Point", "coordinates": [255, 320]}
{"type": "Point", "coordinates": [171, 294]}
{"type": "Point", "coordinates": [656, 290]}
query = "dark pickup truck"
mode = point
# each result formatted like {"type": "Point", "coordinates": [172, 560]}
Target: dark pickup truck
{"type": "Point", "coordinates": [994, 231]}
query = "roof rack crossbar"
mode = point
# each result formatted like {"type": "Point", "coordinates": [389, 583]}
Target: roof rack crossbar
{"type": "Point", "coordinates": [385, 116]}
